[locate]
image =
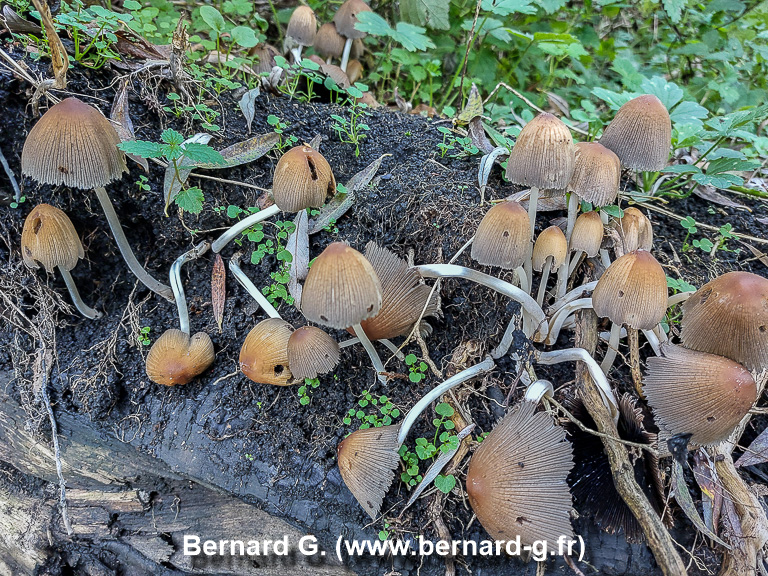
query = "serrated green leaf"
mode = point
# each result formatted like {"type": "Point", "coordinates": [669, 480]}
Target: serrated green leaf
{"type": "Point", "coordinates": [674, 9]}
{"type": "Point", "coordinates": [172, 137]}
{"type": "Point", "coordinates": [668, 92]}
{"type": "Point", "coordinates": [431, 13]}
{"type": "Point", "coordinates": [507, 7]}
{"type": "Point", "coordinates": [373, 24]}
{"type": "Point", "coordinates": [190, 200]}
{"type": "Point", "coordinates": [551, 6]}
{"type": "Point", "coordinates": [722, 180]}
{"type": "Point", "coordinates": [688, 112]}
{"type": "Point", "coordinates": [200, 154]}
{"type": "Point", "coordinates": [142, 148]}
{"type": "Point", "coordinates": [681, 169]}
{"type": "Point", "coordinates": [411, 37]}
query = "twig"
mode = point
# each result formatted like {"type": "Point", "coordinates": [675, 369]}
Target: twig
{"type": "Point", "coordinates": [11, 177]}
{"type": "Point", "coordinates": [469, 46]}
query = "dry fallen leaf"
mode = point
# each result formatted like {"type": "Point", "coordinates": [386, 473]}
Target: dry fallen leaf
{"type": "Point", "coordinates": [218, 290]}
{"type": "Point", "coordinates": [58, 54]}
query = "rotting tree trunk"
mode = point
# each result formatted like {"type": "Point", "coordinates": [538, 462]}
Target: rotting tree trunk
{"type": "Point", "coordinates": [656, 534]}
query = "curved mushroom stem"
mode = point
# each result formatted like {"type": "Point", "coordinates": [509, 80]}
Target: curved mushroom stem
{"type": "Point", "coordinates": [388, 343]}
{"type": "Point", "coordinates": [529, 304]}
{"type": "Point", "coordinates": [676, 299]}
{"type": "Point", "coordinates": [241, 226]}
{"type": "Point", "coordinates": [481, 368]}
{"type": "Point", "coordinates": [372, 354]}
{"type": "Point", "coordinates": [558, 318]}
{"type": "Point", "coordinates": [653, 340]}
{"type": "Point", "coordinates": [297, 54]}
{"type": "Point", "coordinates": [613, 348]}
{"type": "Point", "coordinates": [81, 306]}
{"type": "Point", "coordinates": [562, 279]}
{"type": "Point", "coordinates": [573, 208]}
{"type": "Point", "coordinates": [523, 280]}
{"type": "Point", "coordinates": [345, 54]}
{"type": "Point", "coordinates": [572, 295]}
{"type": "Point", "coordinates": [538, 390]}
{"type": "Point", "coordinates": [605, 258]}
{"type": "Point", "coordinates": [178, 287]}
{"type": "Point", "coordinates": [543, 283]}
{"type": "Point", "coordinates": [250, 287]}
{"type": "Point", "coordinates": [533, 201]}
{"type": "Point", "coordinates": [125, 248]}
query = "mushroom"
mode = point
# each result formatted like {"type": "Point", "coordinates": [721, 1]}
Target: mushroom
{"type": "Point", "coordinates": [354, 71]}
{"type": "Point", "coordinates": [329, 43]}
{"type": "Point", "coordinates": [311, 352]}
{"type": "Point", "coordinates": [49, 237]}
{"type": "Point", "coordinates": [250, 287]}
{"type": "Point", "coordinates": [176, 358]}
{"type": "Point", "coordinates": [266, 54]}
{"type": "Point", "coordinates": [301, 31]}
{"type": "Point", "coordinates": [345, 20]}
{"type": "Point", "coordinates": [178, 287]}
{"type": "Point", "coordinates": [697, 393]}
{"type": "Point", "coordinates": [75, 145]}
{"type": "Point", "coordinates": [586, 238]}
{"type": "Point", "coordinates": [635, 230]}
{"type": "Point", "coordinates": [549, 251]}
{"type": "Point", "coordinates": [336, 74]}
{"type": "Point", "coordinates": [264, 354]}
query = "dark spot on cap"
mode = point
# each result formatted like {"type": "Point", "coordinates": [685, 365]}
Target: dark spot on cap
{"type": "Point", "coordinates": [279, 369]}
{"type": "Point", "coordinates": [370, 308]}
{"type": "Point", "coordinates": [521, 464]}
{"type": "Point", "coordinates": [711, 418]}
{"type": "Point", "coordinates": [705, 295]}
{"type": "Point", "coordinates": [521, 520]}
{"type": "Point", "coordinates": [505, 234]}
{"type": "Point", "coordinates": [312, 168]}
{"type": "Point", "coordinates": [621, 293]}
{"type": "Point", "coordinates": [63, 170]}
{"type": "Point", "coordinates": [323, 318]}
{"type": "Point", "coordinates": [762, 328]}
{"type": "Point", "coordinates": [38, 223]}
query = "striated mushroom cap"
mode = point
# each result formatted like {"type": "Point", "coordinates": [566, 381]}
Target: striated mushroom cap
{"type": "Point", "coordinates": [328, 42]}
{"type": "Point", "coordinates": [587, 234]}
{"type": "Point", "coordinates": [354, 71]}
{"type": "Point", "coordinates": [266, 54]}
{"type": "Point", "coordinates": [346, 18]}
{"type": "Point", "coordinates": [516, 480]}
{"type": "Point", "coordinates": [550, 243]}
{"type": "Point", "coordinates": [311, 351]}
{"type": "Point", "coordinates": [336, 74]}
{"type": "Point", "coordinates": [176, 358]}
{"type": "Point", "coordinates": [303, 179]}
{"type": "Point", "coordinates": [632, 291]}
{"type": "Point", "coordinates": [302, 27]}
{"type": "Point", "coordinates": [264, 355]}
{"type": "Point", "coordinates": [728, 316]}
{"type": "Point", "coordinates": [75, 145]}
{"type": "Point", "coordinates": [698, 393]}
{"type": "Point", "coordinates": [635, 230]}
{"type": "Point", "coordinates": [596, 174]}
{"type": "Point", "coordinates": [640, 134]}
{"type": "Point", "coordinates": [50, 238]}
{"type": "Point", "coordinates": [503, 237]}
{"type": "Point", "coordinates": [341, 289]}
{"type": "Point", "coordinates": [543, 155]}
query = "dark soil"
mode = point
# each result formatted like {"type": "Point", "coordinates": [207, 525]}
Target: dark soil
{"type": "Point", "coordinates": [257, 441]}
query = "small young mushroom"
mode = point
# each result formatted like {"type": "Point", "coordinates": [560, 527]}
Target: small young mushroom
{"type": "Point", "coordinates": [634, 230]}
{"type": "Point", "coordinates": [48, 237]}
{"type": "Point", "coordinates": [329, 43]}
{"type": "Point", "coordinates": [586, 238]}
{"type": "Point", "coordinates": [354, 71]}
{"type": "Point", "coordinates": [264, 355]}
{"type": "Point", "coordinates": [311, 352]}
{"type": "Point", "coordinates": [549, 251]}
{"type": "Point", "coordinates": [345, 20]}
{"type": "Point", "coordinates": [301, 31]}
{"type": "Point", "coordinates": [176, 358]}
{"type": "Point", "coordinates": [266, 58]}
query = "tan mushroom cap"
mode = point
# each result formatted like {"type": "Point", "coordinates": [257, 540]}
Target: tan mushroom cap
{"type": "Point", "coordinates": [728, 316]}
{"type": "Point", "coordinates": [550, 243]}
{"type": "Point", "coordinates": [635, 230]}
{"type": "Point", "coordinates": [341, 289]}
{"type": "Point", "coordinates": [587, 234]}
{"type": "Point", "coordinates": [302, 27]}
{"type": "Point", "coordinates": [632, 291]}
{"type": "Point", "coordinates": [311, 351]}
{"type": "Point", "coordinates": [698, 393]}
{"type": "Point", "coordinates": [303, 179]}
{"type": "Point", "coordinates": [346, 18]}
{"type": "Point", "coordinates": [354, 71]}
{"type": "Point", "coordinates": [358, 49]}
{"type": "Point", "coordinates": [176, 358]}
{"type": "Point", "coordinates": [266, 54]}
{"type": "Point", "coordinates": [328, 42]}
{"type": "Point", "coordinates": [596, 174]}
{"type": "Point", "coordinates": [75, 145]}
{"type": "Point", "coordinates": [543, 155]}
{"type": "Point", "coordinates": [50, 238]}
{"type": "Point", "coordinates": [503, 237]}
{"type": "Point", "coordinates": [516, 480]}
{"type": "Point", "coordinates": [264, 355]}
{"type": "Point", "coordinates": [336, 74]}
{"type": "Point", "coordinates": [640, 134]}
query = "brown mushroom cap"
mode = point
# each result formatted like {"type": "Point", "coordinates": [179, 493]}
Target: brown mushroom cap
{"type": "Point", "coordinates": [266, 54]}
{"type": "Point", "coordinates": [303, 179]}
{"type": "Point", "coordinates": [176, 358]}
{"type": "Point", "coordinates": [640, 134]}
{"type": "Point", "coordinates": [341, 289]}
{"type": "Point", "coordinates": [632, 291]}
{"type": "Point", "coordinates": [516, 480]}
{"type": "Point", "coordinates": [302, 27]}
{"type": "Point", "coordinates": [543, 155]}
{"type": "Point", "coordinates": [503, 237]}
{"type": "Point", "coordinates": [698, 393]}
{"type": "Point", "coordinates": [587, 234]}
{"type": "Point", "coordinates": [550, 243]}
{"type": "Point", "coordinates": [635, 230]}
{"type": "Point", "coordinates": [311, 352]}
{"type": "Point", "coordinates": [75, 145]}
{"type": "Point", "coordinates": [50, 238]}
{"type": "Point", "coordinates": [336, 74]}
{"type": "Point", "coordinates": [328, 42]}
{"type": "Point", "coordinates": [354, 71]}
{"type": "Point", "coordinates": [346, 18]}
{"type": "Point", "coordinates": [728, 316]}
{"type": "Point", "coordinates": [596, 174]}
{"type": "Point", "coordinates": [264, 355]}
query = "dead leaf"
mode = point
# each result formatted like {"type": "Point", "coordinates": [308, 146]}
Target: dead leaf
{"type": "Point", "coordinates": [315, 142]}
{"type": "Point", "coordinates": [248, 105]}
{"type": "Point", "coordinates": [710, 194]}
{"type": "Point", "coordinates": [402, 105]}
{"type": "Point", "coordinates": [218, 290]}
{"type": "Point", "coordinates": [473, 108]}
{"type": "Point", "coordinates": [298, 245]}
{"type": "Point", "coordinates": [122, 121]}
{"type": "Point", "coordinates": [711, 491]}
{"type": "Point", "coordinates": [477, 135]}
{"type": "Point", "coordinates": [132, 45]}
{"type": "Point", "coordinates": [757, 453]}
{"type": "Point", "coordinates": [59, 56]}
{"type": "Point", "coordinates": [244, 152]}
{"type": "Point", "coordinates": [17, 24]}
{"type": "Point", "coordinates": [559, 103]}
{"type": "Point", "coordinates": [762, 256]}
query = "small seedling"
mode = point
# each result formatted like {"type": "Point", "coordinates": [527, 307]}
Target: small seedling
{"type": "Point", "coordinates": [143, 336]}
{"type": "Point", "coordinates": [279, 127]}
{"type": "Point", "coordinates": [416, 368]}
{"type": "Point", "coordinates": [383, 416]}
{"type": "Point", "coordinates": [305, 390]}
{"type": "Point", "coordinates": [426, 449]}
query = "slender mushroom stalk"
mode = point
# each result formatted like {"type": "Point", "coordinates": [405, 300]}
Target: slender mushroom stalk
{"type": "Point", "coordinates": [543, 283]}
{"type": "Point", "coordinates": [250, 287]}
{"type": "Point", "coordinates": [345, 54]}
{"type": "Point", "coordinates": [345, 20]}
{"type": "Point", "coordinates": [235, 231]}
{"type": "Point", "coordinates": [378, 365]}
{"type": "Point", "coordinates": [81, 306]}
{"type": "Point", "coordinates": [391, 346]}
{"type": "Point", "coordinates": [549, 251]}
{"type": "Point", "coordinates": [559, 318]}
{"type": "Point", "coordinates": [613, 348]}
{"type": "Point", "coordinates": [178, 286]}
{"type": "Point", "coordinates": [574, 294]}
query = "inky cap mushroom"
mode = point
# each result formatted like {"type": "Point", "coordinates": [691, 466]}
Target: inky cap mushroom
{"type": "Point", "coordinates": [311, 352]}
{"type": "Point", "coordinates": [264, 355]}
{"type": "Point", "coordinates": [328, 42]}
{"type": "Point", "coordinates": [302, 27]}
{"type": "Point", "coordinates": [303, 179]}
{"type": "Point", "coordinates": [176, 358]}
{"type": "Point", "coordinates": [48, 237]}
{"type": "Point", "coordinates": [596, 174]}
{"type": "Point", "coordinates": [587, 234]}
{"type": "Point", "coordinates": [346, 18]}
{"type": "Point", "coordinates": [550, 243]}
{"type": "Point", "coordinates": [634, 229]}
{"type": "Point", "coordinates": [503, 237]}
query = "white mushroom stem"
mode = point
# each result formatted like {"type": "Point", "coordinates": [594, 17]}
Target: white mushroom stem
{"type": "Point", "coordinates": [529, 305]}
{"type": "Point", "coordinates": [577, 292]}
{"type": "Point", "coordinates": [297, 54]}
{"type": "Point", "coordinates": [613, 348]}
{"type": "Point", "coordinates": [605, 257]}
{"type": "Point", "coordinates": [658, 331]}
{"type": "Point", "coordinates": [576, 354]}
{"type": "Point", "coordinates": [678, 298]}
{"type": "Point", "coordinates": [125, 248]}
{"type": "Point", "coordinates": [558, 319]}
{"type": "Point", "coordinates": [250, 287]}
{"type": "Point", "coordinates": [533, 200]}
{"type": "Point", "coordinates": [562, 279]}
{"type": "Point", "coordinates": [388, 343]}
{"type": "Point", "coordinates": [544, 278]}
{"type": "Point", "coordinates": [178, 287]}
{"type": "Point", "coordinates": [575, 259]}
{"type": "Point", "coordinates": [241, 226]}
{"type": "Point", "coordinates": [522, 279]}
{"type": "Point", "coordinates": [345, 54]}
{"type": "Point", "coordinates": [538, 390]}
{"type": "Point", "coordinates": [81, 306]}
{"type": "Point", "coordinates": [372, 354]}
{"type": "Point", "coordinates": [481, 368]}
{"type": "Point", "coordinates": [573, 208]}
{"type": "Point", "coordinates": [653, 340]}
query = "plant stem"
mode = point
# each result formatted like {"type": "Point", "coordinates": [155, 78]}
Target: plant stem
{"type": "Point", "coordinates": [81, 306]}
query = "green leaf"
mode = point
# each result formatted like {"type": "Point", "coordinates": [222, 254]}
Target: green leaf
{"type": "Point", "coordinates": [551, 6]}
{"type": "Point", "coordinates": [244, 36]}
{"type": "Point", "coordinates": [431, 13]}
{"type": "Point", "coordinates": [674, 9]}
{"type": "Point", "coordinates": [172, 137]}
{"type": "Point", "coordinates": [142, 148]}
{"type": "Point", "coordinates": [131, 5]}
{"type": "Point", "coordinates": [612, 210]}
{"type": "Point", "coordinates": [411, 37]}
{"type": "Point", "coordinates": [445, 483]}
{"type": "Point", "coordinates": [202, 154]}
{"type": "Point", "coordinates": [373, 24]}
{"type": "Point", "coordinates": [213, 18]}
{"type": "Point", "coordinates": [444, 409]}
{"type": "Point", "coordinates": [190, 200]}
{"type": "Point", "coordinates": [507, 7]}
{"type": "Point", "coordinates": [688, 112]}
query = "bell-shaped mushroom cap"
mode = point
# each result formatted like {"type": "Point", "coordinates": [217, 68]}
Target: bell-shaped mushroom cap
{"type": "Point", "coordinates": [336, 74]}
{"type": "Point", "coordinates": [341, 289]}
{"type": "Point", "coordinates": [640, 134]}
{"type": "Point", "coordinates": [354, 71]}
{"type": "Point", "coordinates": [697, 393]}
{"type": "Point", "coordinates": [48, 237]}
{"type": "Point", "coordinates": [328, 42]}
{"type": "Point", "coordinates": [346, 18]}
{"type": "Point", "coordinates": [516, 480]}
{"type": "Point", "coordinates": [264, 355]}
{"type": "Point", "coordinates": [176, 358]}
{"type": "Point", "coordinates": [543, 155]}
{"type": "Point", "coordinates": [266, 54]}
{"type": "Point", "coordinates": [302, 27]}
{"type": "Point", "coordinates": [596, 174]}
{"type": "Point", "coordinates": [728, 316]}
{"type": "Point", "coordinates": [550, 243]}
{"type": "Point", "coordinates": [303, 179]}
{"type": "Point", "coordinates": [75, 145]}
{"type": "Point", "coordinates": [635, 230]}
{"type": "Point", "coordinates": [587, 234]}
{"type": "Point", "coordinates": [311, 352]}
{"type": "Point", "coordinates": [367, 462]}
{"type": "Point", "coordinates": [403, 295]}
{"type": "Point", "coordinates": [503, 237]}
{"type": "Point", "coordinates": [632, 291]}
